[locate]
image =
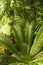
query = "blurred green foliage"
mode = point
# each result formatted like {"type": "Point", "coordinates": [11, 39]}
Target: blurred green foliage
{"type": "Point", "coordinates": [21, 31]}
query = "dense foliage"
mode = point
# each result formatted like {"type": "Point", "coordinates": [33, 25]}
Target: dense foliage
{"type": "Point", "coordinates": [21, 32]}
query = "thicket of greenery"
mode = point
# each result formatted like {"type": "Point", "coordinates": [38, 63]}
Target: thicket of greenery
{"type": "Point", "coordinates": [21, 32]}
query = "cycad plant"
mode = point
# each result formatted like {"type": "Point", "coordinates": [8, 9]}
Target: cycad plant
{"type": "Point", "coordinates": [26, 28]}
{"type": "Point", "coordinates": [27, 48]}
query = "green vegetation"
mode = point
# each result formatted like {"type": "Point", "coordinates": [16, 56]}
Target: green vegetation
{"type": "Point", "coordinates": [21, 32]}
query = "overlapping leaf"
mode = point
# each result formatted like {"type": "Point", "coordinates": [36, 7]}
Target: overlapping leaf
{"type": "Point", "coordinates": [7, 42]}
{"type": "Point", "coordinates": [38, 42]}
{"type": "Point", "coordinates": [18, 35]}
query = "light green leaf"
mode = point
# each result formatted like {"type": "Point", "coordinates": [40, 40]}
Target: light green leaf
{"type": "Point", "coordinates": [7, 42]}
{"type": "Point", "coordinates": [29, 35]}
{"type": "Point", "coordinates": [39, 55]}
{"type": "Point", "coordinates": [33, 63]}
{"type": "Point", "coordinates": [38, 42]}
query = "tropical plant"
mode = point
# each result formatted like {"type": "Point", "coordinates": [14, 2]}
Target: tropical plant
{"type": "Point", "coordinates": [22, 19]}
{"type": "Point", "coordinates": [25, 50]}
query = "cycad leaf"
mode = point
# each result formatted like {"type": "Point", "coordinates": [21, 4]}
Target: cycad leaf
{"type": "Point", "coordinates": [29, 34]}
{"type": "Point", "coordinates": [15, 56]}
{"type": "Point", "coordinates": [39, 55]}
{"type": "Point", "coordinates": [17, 35]}
{"type": "Point", "coordinates": [38, 59]}
{"type": "Point", "coordinates": [38, 42]}
{"type": "Point", "coordinates": [6, 59]}
{"type": "Point", "coordinates": [6, 42]}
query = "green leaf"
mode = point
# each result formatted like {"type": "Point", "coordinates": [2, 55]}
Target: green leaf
{"type": "Point", "coordinates": [40, 62]}
{"type": "Point", "coordinates": [7, 42]}
{"type": "Point", "coordinates": [39, 55]}
{"type": "Point", "coordinates": [15, 56]}
{"type": "Point", "coordinates": [12, 64]}
{"type": "Point", "coordinates": [6, 59]}
{"type": "Point", "coordinates": [33, 63]}
{"type": "Point", "coordinates": [29, 35]}
{"type": "Point", "coordinates": [17, 35]}
{"type": "Point", "coordinates": [38, 42]}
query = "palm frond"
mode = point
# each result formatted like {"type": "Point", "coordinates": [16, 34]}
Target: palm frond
{"type": "Point", "coordinates": [39, 55]}
{"type": "Point", "coordinates": [17, 35]}
{"type": "Point", "coordinates": [6, 42]}
{"type": "Point", "coordinates": [38, 42]}
{"type": "Point", "coordinates": [6, 59]}
{"type": "Point", "coordinates": [29, 35]}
